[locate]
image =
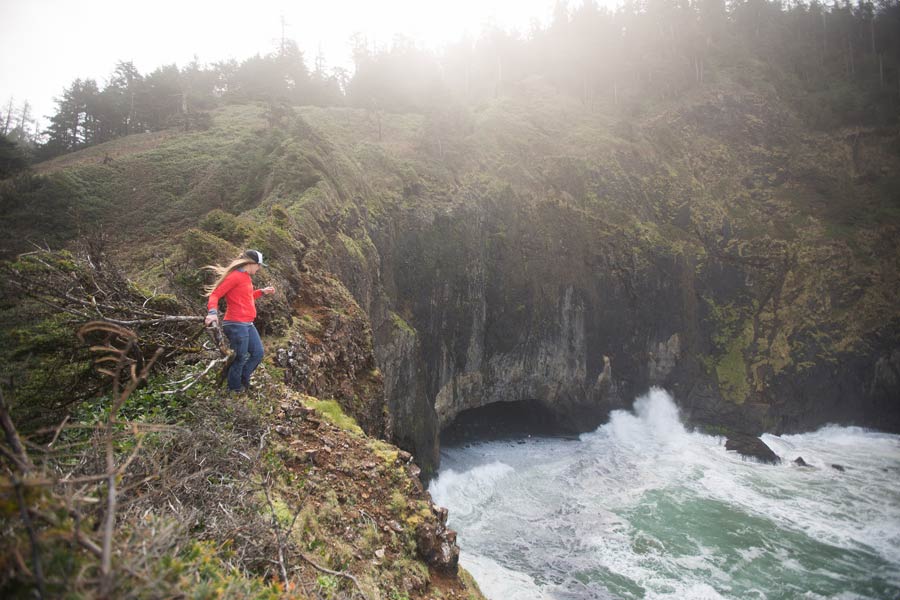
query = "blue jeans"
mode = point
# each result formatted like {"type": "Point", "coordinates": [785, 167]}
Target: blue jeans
{"type": "Point", "coordinates": [248, 352]}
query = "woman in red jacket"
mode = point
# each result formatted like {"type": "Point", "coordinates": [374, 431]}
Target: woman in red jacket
{"type": "Point", "coordinates": [235, 286]}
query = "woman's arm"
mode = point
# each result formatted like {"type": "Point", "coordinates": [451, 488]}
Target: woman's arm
{"type": "Point", "coordinates": [212, 306]}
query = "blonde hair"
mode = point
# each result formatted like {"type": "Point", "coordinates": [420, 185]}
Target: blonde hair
{"type": "Point", "coordinates": [222, 272]}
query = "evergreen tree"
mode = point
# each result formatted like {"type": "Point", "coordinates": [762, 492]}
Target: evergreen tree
{"type": "Point", "coordinates": [13, 159]}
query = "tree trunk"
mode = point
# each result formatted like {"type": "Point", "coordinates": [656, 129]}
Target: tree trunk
{"type": "Point", "coordinates": [25, 119]}
{"type": "Point", "coordinates": [184, 111]}
{"type": "Point", "coordinates": [130, 123]}
{"type": "Point", "coordinates": [872, 33]}
{"type": "Point", "coordinates": [9, 109]}
{"type": "Point", "coordinates": [850, 66]}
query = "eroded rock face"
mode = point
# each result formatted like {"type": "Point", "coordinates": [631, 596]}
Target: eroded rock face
{"type": "Point", "coordinates": [671, 254]}
{"type": "Point", "coordinates": [560, 316]}
{"type": "Point", "coordinates": [329, 353]}
{"type": "Point", "coordinates": [663, 358]}
{"type": "Point", "coordinates": [437, 545]}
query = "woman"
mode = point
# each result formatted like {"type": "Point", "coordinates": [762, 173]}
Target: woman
{"type": "Point", "coordinates": [234, 284]}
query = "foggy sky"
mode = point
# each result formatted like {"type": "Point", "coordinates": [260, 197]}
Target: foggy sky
{"type": "Point", "coordinates": [46, 44]}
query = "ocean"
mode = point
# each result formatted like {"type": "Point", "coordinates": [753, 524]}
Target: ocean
{"type": "Point", "coordinates": [644, 508]}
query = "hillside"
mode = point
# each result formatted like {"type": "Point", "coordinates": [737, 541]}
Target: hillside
{"type": "Point", "coordinates": [525, 249]}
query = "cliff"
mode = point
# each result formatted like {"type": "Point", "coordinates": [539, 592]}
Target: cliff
{"type": "Point", "coordinates": [529, 249]}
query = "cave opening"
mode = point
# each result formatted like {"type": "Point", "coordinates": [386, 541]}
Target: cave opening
{"type": "Point", "coordinates": [502, 421]}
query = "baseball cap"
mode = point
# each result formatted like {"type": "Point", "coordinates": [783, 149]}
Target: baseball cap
{"type": "Point", "coordinates": [256, 256]}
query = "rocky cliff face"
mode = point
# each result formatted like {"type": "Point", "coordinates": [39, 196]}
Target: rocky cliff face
{"type": "Point", "coordinates": [530, 250]}
{"type": "Point", "coordinates": [706, 251]}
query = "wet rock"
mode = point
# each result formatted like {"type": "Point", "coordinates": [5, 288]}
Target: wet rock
{"type": "Point", "coordinates": [840, 468]}
{"type": "Point", "coordinates": [800, 462]}
{"type": "Point", "coordinates": [751, 447]}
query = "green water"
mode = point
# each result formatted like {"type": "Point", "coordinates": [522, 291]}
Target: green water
{"type": "Point", "coordinates": [642, 508]}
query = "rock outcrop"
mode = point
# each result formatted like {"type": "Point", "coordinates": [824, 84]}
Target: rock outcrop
{"type": "Point", "coordinates": [751, 447]}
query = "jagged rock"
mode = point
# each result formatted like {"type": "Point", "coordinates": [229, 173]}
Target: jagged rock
{"type": "Point", "coordinates": [440, 512]}
{"type": "Point", "coordinates": [329, 354]}
{"type": "Point", "coordinates": [800, 462]}
{"type": "Point", "coordinates": [283, 430]}
{"type": "Point", "coordinates": [437, 546]}
{"type": "Point", "coordinates": [751, 447]}
{"type": "Point", "coordinates": [297, 411]}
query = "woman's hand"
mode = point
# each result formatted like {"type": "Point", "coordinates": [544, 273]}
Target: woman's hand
{"type": "Point", "coordinates": [268, 290]}
{"type": "Point", "coordinates": [210, 319]}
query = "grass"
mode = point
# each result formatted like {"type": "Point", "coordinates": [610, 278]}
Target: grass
{"type": "Point", "coordinates": [331, 411]}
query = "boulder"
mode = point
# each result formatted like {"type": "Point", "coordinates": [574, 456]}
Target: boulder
{"type": "Point", "coordinates": [437, 546]}
{"type": "Point", "coordinates": [801, 463]}
{"type": "Point", "coordinates": [751, 447]}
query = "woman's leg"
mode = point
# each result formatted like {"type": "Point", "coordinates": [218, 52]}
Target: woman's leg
{"type": "Point", "coordinates": [255, 348]}
{"type": "Point", "coordinates": [238, 338]}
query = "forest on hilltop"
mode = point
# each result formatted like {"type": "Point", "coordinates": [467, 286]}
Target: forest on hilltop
{"type": "Point", "coordinates": [837, 65]}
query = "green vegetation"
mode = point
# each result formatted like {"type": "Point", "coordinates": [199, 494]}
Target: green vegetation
{"type": "Point", "coordinates": [731, 368]}
{"type": "Point", "coordinates": [332, 412]}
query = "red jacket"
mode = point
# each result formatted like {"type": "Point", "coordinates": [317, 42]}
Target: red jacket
{"type": "Point", "coordinates": [237, 289]}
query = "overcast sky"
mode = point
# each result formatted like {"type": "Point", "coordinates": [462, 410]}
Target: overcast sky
{"type": "Point", "coordinates": [46, 44]}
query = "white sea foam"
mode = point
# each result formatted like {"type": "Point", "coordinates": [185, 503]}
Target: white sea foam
{"type": "Point", "coordinates": [642, 508]}
{"type": "Point", "coordinates": [496, 581]}
{"type": "Point", "coordinates": [467, 490]}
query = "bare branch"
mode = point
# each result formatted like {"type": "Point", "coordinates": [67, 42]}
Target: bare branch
{"type": "Point", "coordinates": [196, 379]}
{"type": "Point", "coordinates": [276, 530]}
{"type": "Point", "coordinates": [335, 573]}
{"type": "Point", "coordinates": [12, 437]}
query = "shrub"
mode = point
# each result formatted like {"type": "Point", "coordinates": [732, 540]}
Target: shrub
{"type": "Point", "coordinates": [226, 226]}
